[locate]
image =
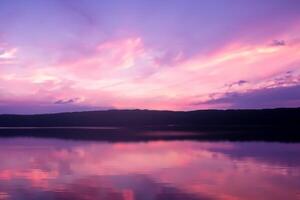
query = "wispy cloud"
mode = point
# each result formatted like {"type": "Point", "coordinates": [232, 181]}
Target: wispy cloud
{"type": "Point", "coordinates": [66, 101]}
{"type": "Point", "coordinates": [278, 43]}
{"type": "Point", "coordinates": [99, 55]}
{"type": "Point", "coordinates": [261, 98]}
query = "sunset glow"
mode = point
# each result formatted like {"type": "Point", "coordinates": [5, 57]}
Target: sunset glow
{"type": "Point", "coordinates": [65, 55]}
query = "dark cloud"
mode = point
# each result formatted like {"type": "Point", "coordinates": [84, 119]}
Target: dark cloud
{"type": "Point", "coordinates": [278, 43]}
{"type": "Point", "coordinates": [262, 98]}
{"type": "Point", "coordinates": [66, 101]}
{"type": "Point", "coordinates": [237, 83]}
{"type": "Point", "coordinates": [288, 78]}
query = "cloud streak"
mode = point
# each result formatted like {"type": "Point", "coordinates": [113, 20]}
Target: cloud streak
{"type": "Point", "coordinates": [116, 55]}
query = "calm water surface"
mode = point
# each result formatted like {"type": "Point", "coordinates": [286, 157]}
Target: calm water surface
{"type": "Point", "coordinates": [187, 170]}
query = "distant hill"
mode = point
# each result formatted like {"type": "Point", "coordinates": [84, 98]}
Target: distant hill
{"type": "Point", "coordinates": [282, 117]}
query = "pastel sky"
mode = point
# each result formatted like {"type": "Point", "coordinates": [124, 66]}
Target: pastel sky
{"type": "Point", "coordinates": [72, 55]}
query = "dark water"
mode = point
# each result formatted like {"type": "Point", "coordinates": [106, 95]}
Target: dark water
{"type": "Point", "coordinates": [43, 169]}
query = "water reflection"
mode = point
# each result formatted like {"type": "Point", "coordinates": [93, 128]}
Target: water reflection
{"type": "Point", "coordinates": [58, 169]}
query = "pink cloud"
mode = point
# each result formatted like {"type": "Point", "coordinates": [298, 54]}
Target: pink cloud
{"type": "Point", "coordinates": [124, 73]}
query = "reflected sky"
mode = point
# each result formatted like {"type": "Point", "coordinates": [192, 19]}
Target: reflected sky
{"type": "Point", "coordinates": [59, 169]}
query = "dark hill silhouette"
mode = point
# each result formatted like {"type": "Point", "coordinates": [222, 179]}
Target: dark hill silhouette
{"type": "Point", "coordinates": [282, 117]}
{"type": "Point", "coordinates": [145, 125]}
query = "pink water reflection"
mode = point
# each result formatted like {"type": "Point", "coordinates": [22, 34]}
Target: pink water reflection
{"type": "Point", "coordinates": [58, 169]}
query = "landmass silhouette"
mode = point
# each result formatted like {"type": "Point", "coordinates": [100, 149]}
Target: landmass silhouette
{"type": "Point", "coordinates": [281, 124]}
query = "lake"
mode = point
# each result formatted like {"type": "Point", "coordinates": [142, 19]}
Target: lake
{"type": "Point", "coordinates": [45, 168]}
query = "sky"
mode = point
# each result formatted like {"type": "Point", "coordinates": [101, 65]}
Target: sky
{"type": "Point", "coordinates": [74, 55]}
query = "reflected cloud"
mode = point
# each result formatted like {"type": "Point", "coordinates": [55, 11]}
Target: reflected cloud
{"type": "Point", "coordinates": [155, 170]}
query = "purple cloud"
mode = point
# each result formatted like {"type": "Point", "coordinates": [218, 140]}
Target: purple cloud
{"type": "Point", "coordinates": [262, 98]}
{"type": "Point", "coordinates": [237, 83]}
{"type": "Point", "coordinates": [278, 43]}
{"type": "Point", "coordinates": [66, 101]}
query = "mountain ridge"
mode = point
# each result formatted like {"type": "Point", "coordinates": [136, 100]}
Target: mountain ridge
{"type": "Point", "coordinates": [143, 118]}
